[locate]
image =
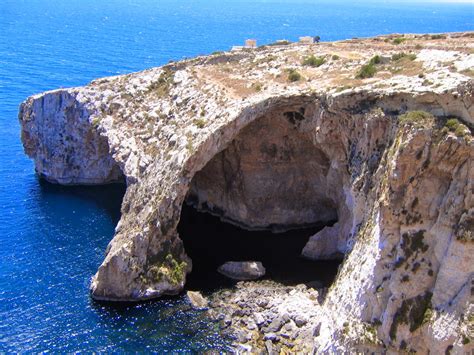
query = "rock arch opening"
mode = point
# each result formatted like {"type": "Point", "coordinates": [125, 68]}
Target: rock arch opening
{"type": "Point", "coordinates": [209, 242]}
{"type": "Point", "coordinates": [262, 198]}
{"type": "Point", "coordinates": [271, 176]}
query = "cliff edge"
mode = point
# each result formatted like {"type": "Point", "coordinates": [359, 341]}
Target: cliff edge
{"type": "Point", "coordinates": [374, 133]}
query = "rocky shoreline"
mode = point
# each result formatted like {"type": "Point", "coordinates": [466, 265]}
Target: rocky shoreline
{"type": "Point", "coordinates": [268, 315]}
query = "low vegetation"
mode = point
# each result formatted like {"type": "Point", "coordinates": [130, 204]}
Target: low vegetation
{"type": "Point", "coordinates": [413, 312]}
{"type": "Point", "coordinates": [417, 119]}
{"type": "Point", "coordinates": [96, 122]}
{"type": "Point", "coordinates": [162, 86]}
{"type": "Point", "coordinates": [468, 72]}
{"type": "Point", "coordinates": [257, 86]}
{"type": "Point", "coordinates": [399, 40]}
{"type": "Point", "coordinates": [313, 61]}
{"type": "Point", "coordinates": [413, 243]}
{"type": "Point", "coordinates": [199, 122]}
{"type": "Point", "coordinates": [294, 75]}
{"type": "Point", "coordinates": [368, 70]}
{"type": "Point", "coordinates": [403, 55]}
{"type": "Point", "coordinates": [465, 230]}
{"type": "Point", "coordinates": [453, 125]}
{"type": "Point", "coordinates": [169, 270]}
{"type": "Point", "coordinates": [279, 43]}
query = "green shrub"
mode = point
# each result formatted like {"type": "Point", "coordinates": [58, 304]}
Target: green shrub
{"type": "Point", "coordinates": [438, 37]}
{"type": "Point", "coordinates": [96, 122]}
{"type": "Point", "coordinates": [375, 60]}
{"type": "Point", "coordinates": [399, 40]}
{"type": "Point", "coordinates": [460, 131]}
{"type": "Point", "coordinates": [367, 71]}
{"type": "Point", "coordinates": [403, 55]}
{"type": "Point", "coordinates": [335, 57]}
{"type": "Point", "coordinates": [417, 118]}
{"type": "Point", "coordinates": [257, 86]}
{"type": "Point", "coordinates": [293, 75]}
{"type": "Point", "coordinates": [199, 122]}
{"type": "Point", "coordinates": [313, 61]}
{"type": "Point", "coordinates": [453, 125]}
{"type": "Point", "coordinates": [162, 86]}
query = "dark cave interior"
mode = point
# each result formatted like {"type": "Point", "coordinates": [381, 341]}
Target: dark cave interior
{"type": "Point", "coordinates": [209, 242]}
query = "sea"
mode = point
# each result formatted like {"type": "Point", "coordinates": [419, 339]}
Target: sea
{"type": "Point", "coordinates": [53, 238]}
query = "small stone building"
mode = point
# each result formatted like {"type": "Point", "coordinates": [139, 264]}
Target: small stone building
{"type": "Point", "coordinates": [307, 40]}
{"type": "Point", "coordinates": [250, 43]}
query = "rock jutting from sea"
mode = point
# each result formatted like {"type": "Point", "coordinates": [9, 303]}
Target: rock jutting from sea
{"type": "Point", "coordinates": [374, 133]}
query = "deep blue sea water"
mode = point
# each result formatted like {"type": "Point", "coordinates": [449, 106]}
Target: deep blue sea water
{"type": "Point", "coordinates": [52, 238]}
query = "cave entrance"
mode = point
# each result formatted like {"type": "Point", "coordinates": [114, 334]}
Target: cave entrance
{"type": "Point", "coordinates": [274, 187]}
{"type": "Point", "coordinates": [209, 242]}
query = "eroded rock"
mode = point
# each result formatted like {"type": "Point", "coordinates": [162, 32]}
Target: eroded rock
{"type": "Point", "coordinates": [242, 270]}
{"type": "Point", "coordinates": [197, 300]}
{"type": "Point", "coordinates": [398, 182]}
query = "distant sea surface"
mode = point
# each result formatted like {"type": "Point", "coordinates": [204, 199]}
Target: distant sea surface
{"type": "Point", "coordinates": [52, 238]}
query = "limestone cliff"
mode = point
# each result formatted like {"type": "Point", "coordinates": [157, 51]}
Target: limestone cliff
{"type": "Point", "coordinates": [372, 133]}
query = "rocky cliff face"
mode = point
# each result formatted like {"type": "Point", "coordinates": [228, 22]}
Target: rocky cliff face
{"type": "Point", "coordinates": [264, 141]}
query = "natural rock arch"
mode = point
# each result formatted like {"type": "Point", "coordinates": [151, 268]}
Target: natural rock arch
{"type": "Point", "coordinates": [377, 164]}
{"type": "Point", "coordinates": [402, 189]}
{"type": "Point", "coordinates": [309, 130]}
{"type": "Point", "coordinates": [271, 176]}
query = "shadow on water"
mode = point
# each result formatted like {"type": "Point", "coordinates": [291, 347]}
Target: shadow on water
{"type": "Point", "coordinates": [106, 197]}
{"type": "Point", "coordinates": [209, 242]}
{"type": "Point", "coordinates": [80, 233]}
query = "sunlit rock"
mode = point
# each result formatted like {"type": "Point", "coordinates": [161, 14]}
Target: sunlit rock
{"type": "Point", "coordinates": [265, 142]}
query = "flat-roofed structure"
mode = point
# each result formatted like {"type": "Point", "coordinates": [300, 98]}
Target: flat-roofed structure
{"type": "Point", "coordinates": [306, 40]}
{"type": "Point", "coordinates": [250, 43]}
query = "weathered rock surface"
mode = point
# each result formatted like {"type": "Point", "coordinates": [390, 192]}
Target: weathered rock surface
{"type": "Point", "coordinates": [197, 300]}
{"type": "Point", "coordinates": [66, 149]}
{"type": "Point", "coordinates": [242, 270]}
{"type": "Point", "coordinates": [232, 135]}
{"type": "Point", "coordinates": [268, 315]}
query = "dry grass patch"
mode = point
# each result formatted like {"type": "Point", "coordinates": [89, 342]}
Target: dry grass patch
{"type": "Point", "coordinates": [405, 64]}
{"type": "Point", "coordinates": [345, 83]}
{"type": "Point", "coordinates": [237, 88]}
{"type": "Point", "coordinates": [468, 72]}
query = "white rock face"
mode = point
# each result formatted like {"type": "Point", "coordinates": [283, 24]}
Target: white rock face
{"type": "Point", "coordinates": [65, 146]}
{"type": "Point", "coordinates": [242, 270]}
{"type": "Point", "coordinates": [399, 186]}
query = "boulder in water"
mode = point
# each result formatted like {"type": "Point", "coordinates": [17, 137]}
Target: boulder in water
{"type": "Point", "coordinates": [242, 270]}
